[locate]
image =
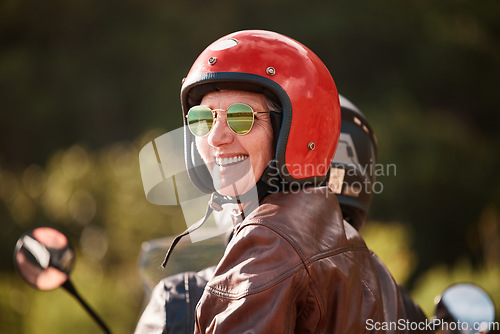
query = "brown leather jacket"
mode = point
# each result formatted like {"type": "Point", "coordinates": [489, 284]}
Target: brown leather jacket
{"type": "Point", "coordinates": [294, 266]}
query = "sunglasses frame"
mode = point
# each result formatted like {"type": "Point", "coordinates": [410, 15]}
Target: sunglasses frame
{"type": "Point", "coordinates": [214, 117]}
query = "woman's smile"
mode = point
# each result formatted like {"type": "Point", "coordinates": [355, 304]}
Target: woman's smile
{"type": "Point", "coordinates": [231, 160]}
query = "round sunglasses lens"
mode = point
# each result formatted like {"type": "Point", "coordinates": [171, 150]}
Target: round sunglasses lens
{"type": "Point", "coordinates": [240, 118]}
{"type": "Point", "coordinates": [200, 120]}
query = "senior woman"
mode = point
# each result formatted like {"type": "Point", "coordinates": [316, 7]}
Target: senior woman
{"type": "Point", "coordinates": [260, 112]}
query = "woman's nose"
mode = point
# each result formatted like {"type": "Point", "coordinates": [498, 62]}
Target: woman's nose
{"type": "Point", "coordinates": [220, 134]}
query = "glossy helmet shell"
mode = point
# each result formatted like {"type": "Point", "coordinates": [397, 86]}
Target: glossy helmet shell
{"type": "Point", "coordinates": [285, 71]}
{"type": "Point", "coordinates": [356, 158]}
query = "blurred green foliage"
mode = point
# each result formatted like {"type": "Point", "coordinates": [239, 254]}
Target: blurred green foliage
{"type": "Point", "coordinates": [392, 242]}
{"type": "Point", "coordinates": [83, 83]}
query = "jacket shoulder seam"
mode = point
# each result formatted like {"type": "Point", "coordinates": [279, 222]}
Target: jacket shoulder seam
{"type": "Point", "coordinates": [308, 260]}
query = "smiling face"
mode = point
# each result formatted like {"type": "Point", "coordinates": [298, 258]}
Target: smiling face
{"type": "Point", "coordinates": [236, 162]}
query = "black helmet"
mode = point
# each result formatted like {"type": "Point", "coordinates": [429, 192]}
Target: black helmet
{"type": "Point", "coordinates": [352, 173]}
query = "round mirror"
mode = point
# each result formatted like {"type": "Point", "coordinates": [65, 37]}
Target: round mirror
{"type": "Point", "coordinates": [44, 258]}
{"type": "Point", "coordinates": [465, 308]}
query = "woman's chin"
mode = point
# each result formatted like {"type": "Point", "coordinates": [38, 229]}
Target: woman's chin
{"type": "Point", "coordinates": [232, 189]}
{"type": "Point", "coordinates": [233, 180]}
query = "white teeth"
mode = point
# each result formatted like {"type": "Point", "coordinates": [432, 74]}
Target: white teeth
{"type": "Point", "coordinates": [227, 161]}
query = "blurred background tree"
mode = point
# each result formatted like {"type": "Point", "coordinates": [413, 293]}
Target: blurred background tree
{"type": "Point", "coordinates": [84, 84]}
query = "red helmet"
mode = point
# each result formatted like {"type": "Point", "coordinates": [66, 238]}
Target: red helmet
{"type": "Point", "coordinates": [285, 71]}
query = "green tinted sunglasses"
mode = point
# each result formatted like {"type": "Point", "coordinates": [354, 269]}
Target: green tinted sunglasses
{"type": "Point", "coordinates": [240, 118]}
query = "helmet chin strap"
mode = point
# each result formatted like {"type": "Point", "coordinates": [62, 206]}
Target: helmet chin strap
{"type": "Point", "coordinates": [215, 203]}
{"type": "Point", "coordinates": [190, 229]}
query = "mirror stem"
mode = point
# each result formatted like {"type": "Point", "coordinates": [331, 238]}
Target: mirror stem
{"type": "Point", "coordinates": [68, 286]}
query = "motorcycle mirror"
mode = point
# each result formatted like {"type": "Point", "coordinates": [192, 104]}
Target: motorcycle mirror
{"type": "Point", "coordinates": [465, 308]}
{"type": "Point", "coordinates": [44, 258]}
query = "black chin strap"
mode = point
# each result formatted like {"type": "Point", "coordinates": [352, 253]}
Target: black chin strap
{"type": "Point", "coordinates": [215, 203]}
